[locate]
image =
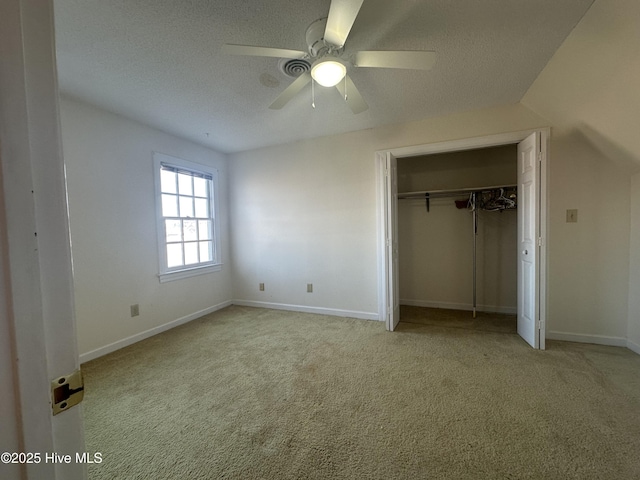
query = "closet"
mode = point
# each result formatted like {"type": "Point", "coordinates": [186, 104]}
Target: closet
{"type": "Point", "coordinates": [457, 230]}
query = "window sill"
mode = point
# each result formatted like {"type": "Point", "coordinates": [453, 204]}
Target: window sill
{"type": "Point", "coordinates": [188, 272]}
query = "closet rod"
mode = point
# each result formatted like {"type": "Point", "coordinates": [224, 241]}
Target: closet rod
{"type": "Point", "coordinates": [449, 193]}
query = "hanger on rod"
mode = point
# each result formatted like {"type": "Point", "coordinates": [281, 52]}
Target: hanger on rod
{"type": "Point", "coordinates": [496, 198]}
{"type": "Point", "coordinates": [449, 192]}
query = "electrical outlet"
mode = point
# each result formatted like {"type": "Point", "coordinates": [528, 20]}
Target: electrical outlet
{"type": "Point", "coordinates": [309, 287]}
{"type": "Point", "coordinates": [261, 287]}
{"type": "Point", "coordinates": [135, 310]}
{"type": "Point", "coordinates": [572, 215]}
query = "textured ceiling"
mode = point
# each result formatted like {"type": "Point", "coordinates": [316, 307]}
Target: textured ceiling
{"type": "Point", "coordinates": [159, 62]}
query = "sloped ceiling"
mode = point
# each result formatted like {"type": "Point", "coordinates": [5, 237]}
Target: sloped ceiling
{"type": "Point", "coordinates": [159, 62]}
{"type": "Point", "coordinates": [590, 86]}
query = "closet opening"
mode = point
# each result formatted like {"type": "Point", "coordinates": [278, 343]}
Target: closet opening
{"type": "Point", "coordinates": [429, 277]}
{"type": "Point", "coordinates": [457, 239]}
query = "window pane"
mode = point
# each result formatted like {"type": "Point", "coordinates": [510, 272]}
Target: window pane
{"type": "Point", "coordinates": [184, 184]}
{"type": "Point", "coordinates": [204, 229]}
{"type": "Point", "coordinates": [174, 255]}
{"type": "Point", "coordinates": [202, 210]}
{"type": "Point", "coordinates": [200, 187]}
{"type": "Point", "coordinates": [186, 224]}
{"type": "Point", "coordinates": [190, 253]}
{"type": "Point", "coordinates": [169, 205]}
{"type": "Point", "coordinates": [173, 230]}
{"type": "Point", "coordinates": [205, 252]}
{"type": "Point", "coordinates": [190, 231]}
{"type": "Point", "coordinates": [167, 181]}
{"type": "Point", "coordinates": [186, 207]}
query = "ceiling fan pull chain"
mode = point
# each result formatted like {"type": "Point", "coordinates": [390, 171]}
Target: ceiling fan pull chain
{"type": "Point", "coordinates": [313, 94]}
{"type": "Point", "coordinates": [345, 88]}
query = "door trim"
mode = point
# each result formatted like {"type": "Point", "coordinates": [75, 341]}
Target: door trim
{"type": "Point", "coordinates": [456, 146]}
{"type": "Point", "coordinates": [38, 308]}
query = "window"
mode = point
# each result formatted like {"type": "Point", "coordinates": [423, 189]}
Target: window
{"type": "Point", "coordinates": [187, 221]}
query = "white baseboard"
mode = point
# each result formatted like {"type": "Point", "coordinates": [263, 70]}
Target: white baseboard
{"type": "Point", "coordinates": [550, 335]}
{"type": "Point", "coordinates": [305, 309]}
{"type": "Point", "coordinates": [125, 342]}
{"type": "Point", "coordinates": [460, 306]}
{"type": "Point", "coordinates": [634, 347]}
{"type": "Point", "coordinates": [595, 339]}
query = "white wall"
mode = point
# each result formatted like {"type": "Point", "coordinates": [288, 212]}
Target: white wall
{"type": "Point", "coordinates": [589, 93]}
{"type": "Point", "coordinates": [588, 291]}
{"type": "Point", "coordinates": [113, 229]}
{"type": "Point", "coordinates": [306, 212]}
{"type": "Point", "coordinates": [436, 257]}
{"type": "Point", "coordinates": [436, 247]}
{"type": "Point", "coordinates": [464, 169]}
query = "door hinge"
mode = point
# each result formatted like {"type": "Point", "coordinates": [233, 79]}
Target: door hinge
{"type": "Point", "coordinates": [539, 324]}
{"type": "Point", "coordinates": [67, 391]}
{"type": "Point", "coordinates": [539, 241]}
{"type": "Point", "coordinates": [540, 156]}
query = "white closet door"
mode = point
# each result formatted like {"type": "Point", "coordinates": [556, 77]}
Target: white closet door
{"type": "Point", "coordinates": [528, 234]}
{"type": "Point", "coordinates": [393, 294]}
{"type": "Point", "coordinates": [35, 270]}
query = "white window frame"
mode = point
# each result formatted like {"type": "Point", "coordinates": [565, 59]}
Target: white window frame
{"type": "Point", "coordinates": [167, 274]}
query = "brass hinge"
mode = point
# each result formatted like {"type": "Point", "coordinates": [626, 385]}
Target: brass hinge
{"type": "Point", "coordinates": [67, 391]}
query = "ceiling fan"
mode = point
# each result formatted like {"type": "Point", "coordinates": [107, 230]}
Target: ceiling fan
{"type": "Point", "coordinates": [328, 64]}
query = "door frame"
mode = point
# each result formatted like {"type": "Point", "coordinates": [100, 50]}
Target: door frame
{"type": "Point", "coordinates": [383, 221]}
{"type": "Point", "coordinates": [37, 307]}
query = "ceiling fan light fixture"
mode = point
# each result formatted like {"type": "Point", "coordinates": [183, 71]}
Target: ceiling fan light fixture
{"type": "Point", "coordinates": [328, 71]}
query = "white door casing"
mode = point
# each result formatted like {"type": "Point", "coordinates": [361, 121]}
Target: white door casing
{"type": "Point", "coordinates": [36, 266]}
{"type": "Point", "coordinates": [388, 297]}
{"type": "Point", "coordinates": [392, 241]}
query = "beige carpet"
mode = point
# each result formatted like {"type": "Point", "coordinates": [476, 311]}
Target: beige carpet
{"type": "Point", "coordinates": [484, 321]}
{"type": "Point", "coordinates": [249, 393]}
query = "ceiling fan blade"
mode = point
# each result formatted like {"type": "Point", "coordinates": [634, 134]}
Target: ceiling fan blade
{"type": "Point", "coordinates": [354, 99]}
{"type": "Point", "coordinates": [342, 14]}
{"type": "Point", "coordinates": [291, 91]}
{"type": "Point", "coordinates": [417, 60]}
{"type": "Point", "coordinates": [261, 51]}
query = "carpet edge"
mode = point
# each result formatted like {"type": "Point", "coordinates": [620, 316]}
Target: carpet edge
{"type": "Point", "coordinates": [125, 342]}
